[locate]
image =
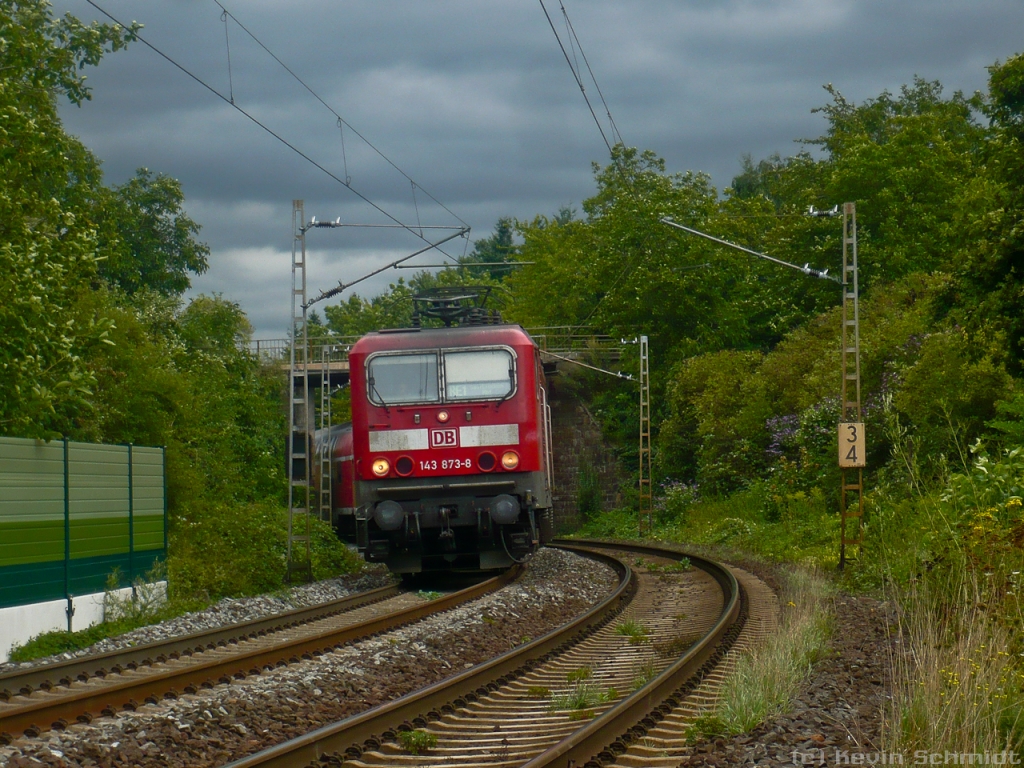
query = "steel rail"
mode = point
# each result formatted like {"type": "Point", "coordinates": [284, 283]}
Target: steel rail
{"type": "Point", "coordinates": [609, 734]}
{"type": "Point", "coordinates": [362, 730]}
{"type": "Point", "coordinates": [127, 693]}
{"type": "Point", "coordinates": [49, 676]}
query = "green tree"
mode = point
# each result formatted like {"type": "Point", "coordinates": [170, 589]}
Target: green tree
{"type": "Point", "coordinates": [498, 249]}
{"type": "Point", "coordinates": [47, 243]}
{"type": "Point", "coordinates": [621, 271]}
{"type": "Point", "coordinates": [906, 161]}
{"type": "Point", "coordinates": [988, 290]}
{"type": "Point", "coordinates": [147, 239]}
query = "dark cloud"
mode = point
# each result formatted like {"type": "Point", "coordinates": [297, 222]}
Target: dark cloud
{"type": "Point", "coordinates": [475, 101]}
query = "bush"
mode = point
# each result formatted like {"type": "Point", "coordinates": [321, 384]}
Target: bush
{"type": "Point", "coordinates": [614, 524]}
{"type": "Point", "coordinates": [950, 392]}
{"type": "Point", "coordinates": [240, 549]}
{"type": "Point", "coordinates": [672, 507]}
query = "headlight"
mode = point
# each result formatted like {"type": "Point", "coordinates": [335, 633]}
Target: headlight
{"type": "Point", "coordinates": [381, 467]}
{"type": "Point", "coordinates": [510, 459]}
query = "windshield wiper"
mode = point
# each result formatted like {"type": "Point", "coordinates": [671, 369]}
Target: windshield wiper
{"type": "Point", "coordinates": [511, 387]}
{"type": "Point", "coordinates": [373, 391]}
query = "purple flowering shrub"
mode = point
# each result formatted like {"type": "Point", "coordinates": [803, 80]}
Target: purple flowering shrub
{"type": "Point", "coordinates": [673, 502]}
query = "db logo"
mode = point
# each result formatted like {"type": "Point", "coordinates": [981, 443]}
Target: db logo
{"type": "Point", "coordinates": [443, 438]}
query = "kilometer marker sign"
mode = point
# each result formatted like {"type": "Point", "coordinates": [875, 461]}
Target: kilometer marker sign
{"type": "Point", "coordinates": [851, 444]}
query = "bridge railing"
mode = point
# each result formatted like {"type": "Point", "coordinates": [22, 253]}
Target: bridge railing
{"type": "Point", "coordinates": [571, 340]}
{"type": "Point", "coordinates": [332, 349]}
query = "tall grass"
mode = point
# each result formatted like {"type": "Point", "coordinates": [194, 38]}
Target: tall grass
{"type": "Point", "coordinates": [957, 687]}
{"type": "Point", "coordinates": [766, 679]}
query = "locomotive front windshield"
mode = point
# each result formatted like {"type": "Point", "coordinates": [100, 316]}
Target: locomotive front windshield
{"type": "Point", "coordinates": [479, 374]}
{"type": "Point", "coordinates": [403, 378]}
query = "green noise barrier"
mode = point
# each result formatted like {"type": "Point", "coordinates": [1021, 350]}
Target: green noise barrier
{"type": "Point", "coordinates": [73, 513]}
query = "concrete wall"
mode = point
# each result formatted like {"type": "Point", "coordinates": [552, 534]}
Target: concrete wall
{"type": "Point", "coordinates": [578, 442]}
{"type": "Point", "coordinates": [20, 623]}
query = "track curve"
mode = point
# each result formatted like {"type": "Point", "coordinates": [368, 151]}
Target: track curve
{"type": "Point", "coordinates": [493, 714]}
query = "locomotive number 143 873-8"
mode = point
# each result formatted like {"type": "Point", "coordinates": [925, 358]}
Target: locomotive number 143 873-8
{"type": "Point", "coordinates": [432, 464]}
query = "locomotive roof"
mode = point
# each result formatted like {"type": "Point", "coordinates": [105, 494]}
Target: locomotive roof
{"type": "Point", "coordinates": [429, 338]}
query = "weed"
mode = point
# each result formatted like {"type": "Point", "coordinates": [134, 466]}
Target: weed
{"type": "Point", "coordinates": [143, 605]}
{"type": "Point", "coordinates": [538, 692]}
{"type": "Point", "coordinates": [579, 674]}
{"type": "Point", "coordinates": [643, 673]}
{"type": "Point", "coordinates": [488, 619]}
{"type": "Point", "coordinates": [634, 630]}
{"type": "Point", "coordinates": [580, 695]}
{"type": "Point", "coordinates": [958, 686]}
{"type": "Point", "coordinates": [708, 726]}
{"type": "Point", "coordinates": [679, 566]}
{"type": "Point", "coordinates": [764, 681]}
{"type": "Point", "coordinates": [418, 741]}
{"type": "Point", "coordinates": [611, 694]}
{"type": "Point", "coordinates": [146, 605]}
{"type": "Point", "coordinates": [425, 594]}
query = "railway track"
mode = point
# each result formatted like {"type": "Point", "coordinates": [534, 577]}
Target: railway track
{"type": "Point", "coordinates": [616, 685]}
{"type": "Point", "coordinates": [78, 690]}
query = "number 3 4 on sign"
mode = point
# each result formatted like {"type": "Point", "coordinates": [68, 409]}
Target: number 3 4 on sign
{"type": "Point", "coordinates": [851, 444]}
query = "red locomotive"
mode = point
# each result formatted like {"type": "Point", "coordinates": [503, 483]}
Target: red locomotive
{"type": "Point", "coordinates": [450, 441]}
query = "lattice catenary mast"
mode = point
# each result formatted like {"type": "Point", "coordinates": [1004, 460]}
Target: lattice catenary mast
{"type": "Point", "coordinates": [299, 497]}
{"type": "Point", "coordinates": [645, 506]}
{"type": "Point", "coordinates": [851, 428]}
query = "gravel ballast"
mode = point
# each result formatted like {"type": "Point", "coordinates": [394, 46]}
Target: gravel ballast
{"type": "Point", "coordinates": [216, 726]}
{"type": "Point", "coordinates": [837, 717]}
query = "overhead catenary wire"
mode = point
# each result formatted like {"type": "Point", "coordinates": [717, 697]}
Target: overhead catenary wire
{"type": "Point", "coordinates": [572, 30]}
{"type": "Point", "coordinates": [269, 130]}
{"type": "Point", "coordinates": [807, 269]}
{"type": "Point", "coordinates": [616, 374]}
{"type": "Point", "coordinates": [341, 286]}
{"type": "Point", "coordinates": [576, 75]}
{"type": "Point", "coordinates": [341, 121]}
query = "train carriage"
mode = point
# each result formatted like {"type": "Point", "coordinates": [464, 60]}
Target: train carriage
{"type": "Point", "coordinates": [336, 442]}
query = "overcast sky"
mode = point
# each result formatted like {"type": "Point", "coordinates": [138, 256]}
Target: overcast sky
{"type": "Point", "coordinates": [475, 102]}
